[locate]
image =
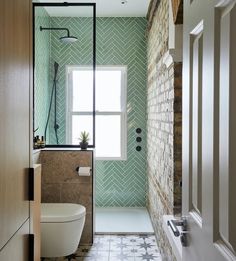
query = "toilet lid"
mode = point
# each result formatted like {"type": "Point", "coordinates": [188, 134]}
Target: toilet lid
{"type": "Point", "coordinates": [61, 212]}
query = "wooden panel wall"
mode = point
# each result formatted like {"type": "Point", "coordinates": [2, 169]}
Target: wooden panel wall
{"type": "Point", "coordinates": [17, 248]}
{"type": "Point", "coordinates": [15, 55]}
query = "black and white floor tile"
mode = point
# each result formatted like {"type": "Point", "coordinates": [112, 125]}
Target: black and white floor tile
{"type": "Point", "coordinates": [116, 248]}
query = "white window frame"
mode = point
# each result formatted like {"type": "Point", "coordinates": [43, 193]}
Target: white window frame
{"type": "Point", "coordinates": [122, 113]}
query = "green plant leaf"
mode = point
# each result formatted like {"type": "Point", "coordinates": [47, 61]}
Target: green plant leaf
{"type": "Point", "coordinates": [84, 136]}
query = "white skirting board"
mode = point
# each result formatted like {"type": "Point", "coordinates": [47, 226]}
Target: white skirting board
{"type": "Point", "coordinates": [173, 240]}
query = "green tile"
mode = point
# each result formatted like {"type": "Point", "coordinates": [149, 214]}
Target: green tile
{"type": "Point", "coordinates": [120, 41]}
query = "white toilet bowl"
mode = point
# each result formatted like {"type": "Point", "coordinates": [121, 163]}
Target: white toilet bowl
{"type": "Point", "coordinates": [61, 228]}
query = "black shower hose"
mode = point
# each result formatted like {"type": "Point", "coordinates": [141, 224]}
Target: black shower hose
{"type": "Point", "coordinates": [54, 91]}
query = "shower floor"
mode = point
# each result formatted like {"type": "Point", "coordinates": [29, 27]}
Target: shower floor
{"type": "Point", "coordinates": [122, 220]}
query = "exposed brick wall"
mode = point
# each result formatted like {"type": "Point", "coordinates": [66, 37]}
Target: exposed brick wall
{"type": "Point", "coordinates": [164, 120]}
{"type": "Point", "coordinates": [158, 35]}
{"type": "Point", "coordinates": [157, 208]}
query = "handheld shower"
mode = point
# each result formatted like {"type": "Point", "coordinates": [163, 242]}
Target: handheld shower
{"type": "Point", "coordinates": [53, 94]}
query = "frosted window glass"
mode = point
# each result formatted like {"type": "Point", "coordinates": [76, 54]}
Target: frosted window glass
{"type": "Point", "coordinates": [108, 136]}
{"type": "Point", "coordinates": [110, 109]}
{"type": "Point", "coordinates": [81, 123]}
{"type": "Point", "coordinates": [108, 90]}
{"type": "Point", "coordinates": [82, 90]}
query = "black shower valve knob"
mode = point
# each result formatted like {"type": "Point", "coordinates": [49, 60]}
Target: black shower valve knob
{"type": "Point", "coordinates": [138, 139]}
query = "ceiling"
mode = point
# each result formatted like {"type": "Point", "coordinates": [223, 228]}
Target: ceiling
{"type": "Point", "coordinates": [104, 8]}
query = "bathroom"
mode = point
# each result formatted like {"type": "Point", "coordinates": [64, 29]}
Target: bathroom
{"type": "Point", "coordinates": [69, 99]}
{"type": "Point", "coordinates": [117, 130]}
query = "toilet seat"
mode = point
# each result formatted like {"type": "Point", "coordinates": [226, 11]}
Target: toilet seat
{"type": "Point", "coordinates": [61, 228]}
{"type": "Point", "coordinates": [61, 212]}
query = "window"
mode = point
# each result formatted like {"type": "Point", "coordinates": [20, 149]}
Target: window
{"type": "Point", "coordinates": [110, 117]}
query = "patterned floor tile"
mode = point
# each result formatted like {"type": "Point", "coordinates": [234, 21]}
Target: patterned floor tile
{"type": "Point", "coordinates": [116, 248]}
{"type": "Point", "coordinates": [94, 259]}
{"type": "Point", "coordinates": [101, 246]}
{"type": "Point", "coordinates": [147, 259]}
{"type": "Point", "coordinates": [121, 259]}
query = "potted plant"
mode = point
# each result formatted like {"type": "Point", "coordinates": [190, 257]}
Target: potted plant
{"type": "Point", "coordinates": [84, 138]}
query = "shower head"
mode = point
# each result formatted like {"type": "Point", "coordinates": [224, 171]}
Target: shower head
{"type": "Point", "coordinates": [68, 39]}
{"type": "Point", "coordinates": [64, 39]}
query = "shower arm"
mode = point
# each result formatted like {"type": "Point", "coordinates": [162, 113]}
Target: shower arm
{"type": "Point", "coordinates": [56, 29]}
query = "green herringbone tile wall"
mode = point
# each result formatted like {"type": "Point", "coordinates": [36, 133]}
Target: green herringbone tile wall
{"type": "Point", "coordinates": [41, 76]}
{"type": "Point", "coordinates": [120, 41]}
{"type": "Point", "coordinates": [78, 53]}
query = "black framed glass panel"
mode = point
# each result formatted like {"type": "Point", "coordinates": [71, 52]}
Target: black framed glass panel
{"type": "Point", "coordinates": [64, 38]}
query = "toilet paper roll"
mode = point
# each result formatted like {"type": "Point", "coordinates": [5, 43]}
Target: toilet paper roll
{"type": "Point", "coordinates": [84, 171]}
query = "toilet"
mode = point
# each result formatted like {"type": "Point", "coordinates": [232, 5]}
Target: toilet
{"type": "Point", "coordinates": [61, 228]}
